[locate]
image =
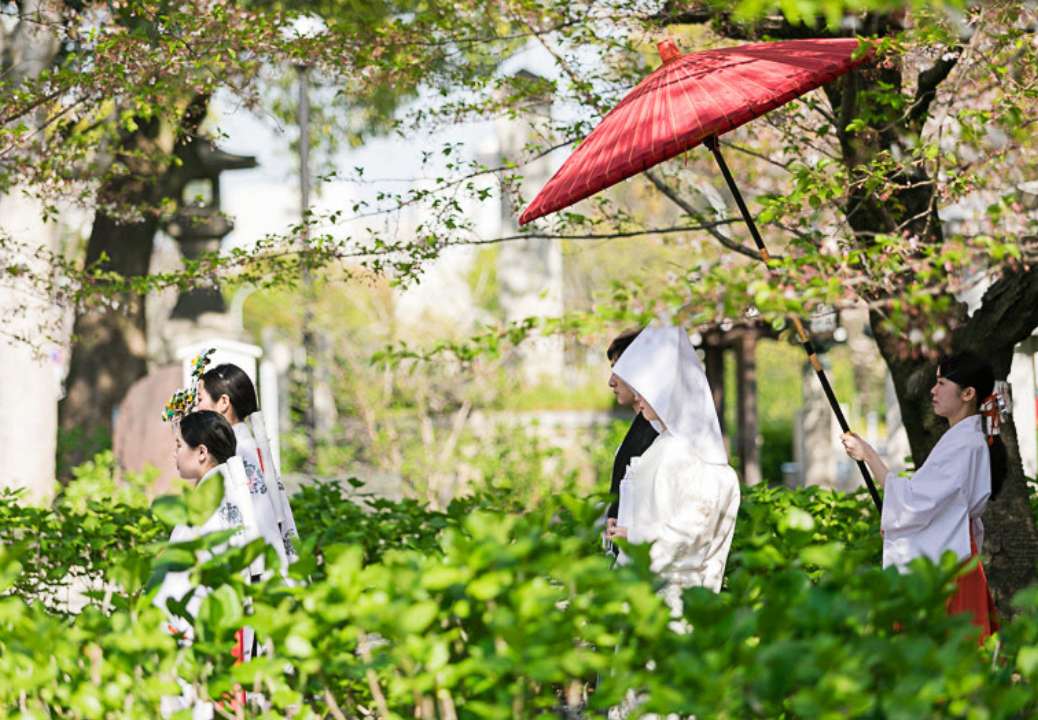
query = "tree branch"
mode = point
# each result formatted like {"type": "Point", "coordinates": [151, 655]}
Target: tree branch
{"type": "Point", "coordinates": [1008, 313]}
{"type": "Point", "coordinates": [708, 226]}
{"type": "Point", "coordinates": [673, 196]}
{"type": "Point", "coordinates": [773, 26]}
{"type": "Point", "coordinates": [927, 83]}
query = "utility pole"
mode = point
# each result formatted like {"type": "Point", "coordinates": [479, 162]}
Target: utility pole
{"type": "Point", "coordinates": [309, 347]}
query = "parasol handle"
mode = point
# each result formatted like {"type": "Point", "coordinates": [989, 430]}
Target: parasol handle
{"type": "Point", "coordinates": [805, 340]}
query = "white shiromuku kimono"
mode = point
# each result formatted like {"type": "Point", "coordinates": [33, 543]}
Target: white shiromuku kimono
{"type": "Point", "coordinates": [681, 495]}
{"type": "Point", "coordinates": [686, 508]}
{"type": "Point", "coordinates": [937, 508]}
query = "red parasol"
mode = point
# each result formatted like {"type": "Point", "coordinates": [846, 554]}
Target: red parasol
{"type": "Point", "coordinates": [687, 100]}
{"type": "Point", "coordinates": [691, 99]}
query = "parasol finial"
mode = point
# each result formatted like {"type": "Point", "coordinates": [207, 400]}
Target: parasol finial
{"type": "Point", "coordinates": [668, 50]}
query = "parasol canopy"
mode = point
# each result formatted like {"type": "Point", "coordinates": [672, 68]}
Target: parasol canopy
{"type": "Point", "coordinates": [687, 100]}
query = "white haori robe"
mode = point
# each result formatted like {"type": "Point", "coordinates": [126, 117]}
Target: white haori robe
{"type": "Point", "coordinates": [686, 508]}
{"type": "Point", "coordinates": [261, 495]}
{"type": "Point", "coordinates": [934, 510]}
{"type": "Point", "coordinates": [278, 495]}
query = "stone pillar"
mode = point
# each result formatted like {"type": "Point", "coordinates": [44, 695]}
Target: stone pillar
{"type": "Point", "coordinates": [818, 434]}
{"type": "Point", "coordinates": [530, 272]}
{"type": "Point", "coordinates": [530, 277]}
{"type": "Point", "coordinates": [746, 383]}
{"type": "Point", "coordinates": [140, 439]}
{"type": "Point", "coordinates": [33, 364]}
{"type": "Point", "coordinates": [896, 450]}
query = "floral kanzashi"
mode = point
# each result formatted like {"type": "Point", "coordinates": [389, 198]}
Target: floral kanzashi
{"type": "Point", "coordinates": [184, 400]}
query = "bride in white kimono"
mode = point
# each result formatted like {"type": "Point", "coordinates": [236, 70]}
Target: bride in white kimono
{"type": "Point", "coordinates": [681, 495]}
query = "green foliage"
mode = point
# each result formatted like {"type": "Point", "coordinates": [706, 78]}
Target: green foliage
{"type": "Point", "coordinates": [776, 449]}
{"type": "Point", "coordinates": [80, 442]}
{"type": "Point", "coordinates": [502, 605]}
{"type": "Point", "coordinates": [96, 531]}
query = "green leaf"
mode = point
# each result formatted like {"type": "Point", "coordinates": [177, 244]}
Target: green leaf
{"type": "Point", "coordinates": [204, 498]}
{"type": "Point", "coordinates": [1027, 660]}
{"type": "Point", "coordinates": [417, 618]}
{"type": "Point", "coordinates": [170, 510]}
{"type": "Point", "coordinates": [797, 519]}
{"type": "Point", "coordinates": [824, 556]}
{"type": "Point", "coordinates": [222, 609]}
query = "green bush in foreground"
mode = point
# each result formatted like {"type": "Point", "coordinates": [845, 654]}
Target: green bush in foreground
{"type": "Point", "coordinates": [494, 610]}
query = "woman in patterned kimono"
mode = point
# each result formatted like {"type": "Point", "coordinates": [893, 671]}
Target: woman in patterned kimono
{"type": "Point", "coordinates": [205, 448]}
{"type": "Point", "coordinates": [204, 443]}
{"type": "Point", "coordinates": [227, 390]}
{"type": "Point", "coordinates": [681, 495]}
{"type": "Point", "coordinates": [938, 509]}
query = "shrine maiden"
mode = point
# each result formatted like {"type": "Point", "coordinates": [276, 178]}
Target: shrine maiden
{"type": "Point", "coordinates": [204, 445]}
{"type": "Point", "coordinates": [205, 448]}
{"type": "Point", "coordinates": [681, 495]}
{"type": "Point", "coordinates": [227, 390]}
{"type": "Point", "coordinates": [938, 508]}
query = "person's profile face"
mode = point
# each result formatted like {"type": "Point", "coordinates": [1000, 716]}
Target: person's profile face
{"type": "Point", "coordinates": [205, 401]}
{"type": "Point", "coordinates": [623, 392]}
{"type": "Point", "coordinates": [191, 462]}
{"type": "Point", "coordinates": [948, 397]}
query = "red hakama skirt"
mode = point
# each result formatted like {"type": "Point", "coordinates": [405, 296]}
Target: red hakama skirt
{"type": "Point", "coordinates": [974, 597]}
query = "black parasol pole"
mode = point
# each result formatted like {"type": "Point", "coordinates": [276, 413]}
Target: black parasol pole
{"type": "Point", "coordinates": [805, 340]}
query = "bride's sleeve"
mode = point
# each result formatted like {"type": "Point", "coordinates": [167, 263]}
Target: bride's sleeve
{"type": "Point", "coordinates": [698, 503]}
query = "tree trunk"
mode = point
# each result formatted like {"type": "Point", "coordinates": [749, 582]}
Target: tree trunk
{"type": "Point", "coordinates": [714, 368]}
{"type": "Point", "coordinates": [109, 348]}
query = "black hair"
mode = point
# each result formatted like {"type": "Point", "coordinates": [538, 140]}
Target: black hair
{"type": "Point", "coordinates": [620, 343]}
{"type": "Point", "coordinates": [231, 380]}
{"type": "Point", "coordinates": [205, 427]}
{"type": "Point", "coordinates": [968, 369]}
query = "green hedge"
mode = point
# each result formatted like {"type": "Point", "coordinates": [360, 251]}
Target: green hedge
{"type": "Point", "coordinates": [496, 609]}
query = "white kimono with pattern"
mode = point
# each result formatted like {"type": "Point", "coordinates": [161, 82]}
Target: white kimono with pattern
{"type": "Point", "coordinates": [261, 495]}
{"type": "Point", "coordinates": [228, 516]}
{"type": "Point", "coordinates": [278, 495]}
{"type": "Point", "coordinates": [234, 511]}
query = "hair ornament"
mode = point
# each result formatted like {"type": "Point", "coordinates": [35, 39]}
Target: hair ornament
{"type": "Point", "coordinates": [997, 408]}
{"type": "Point", "coordinates": [183, 401]}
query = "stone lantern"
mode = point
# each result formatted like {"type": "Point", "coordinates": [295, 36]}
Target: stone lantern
{"type": "Point", "coordinates": [198, 224]}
